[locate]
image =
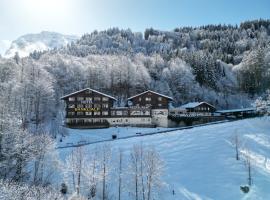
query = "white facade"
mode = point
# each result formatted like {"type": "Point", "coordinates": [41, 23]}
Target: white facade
{"type": "Point", "coordinates": [132, 121]}
{"type": "Point", "coordinates": [160, 117]}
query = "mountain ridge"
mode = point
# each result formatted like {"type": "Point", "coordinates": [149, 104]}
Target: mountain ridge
{"type": "Point", "coordinates": [42, 41]}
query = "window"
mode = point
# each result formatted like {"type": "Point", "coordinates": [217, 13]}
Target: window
{"type": "Point", "coordinates": [79, 105]}
{"type": "Point", "coordinates": [113, 113]}
{"type": "Point", "coordinates": [80, 121]}
{"type": "Point", "coordinates": [105, 99]}
{"type": "Point", "coordinates": [105, 113]}
{"type": "Point", "coordinates": [97, 113]}
{"type": "Point", "coordinates": [119, 112]}
{"type": "Point", "coordinates": [80, 98]}
{"type": "Point", "coordinates": [88, 99]}
{"type": "Point", "coordinates": [159, 98]}
{"type": "Point", "coordinates": [140, 99]}
{"type": "Point", "coordinates": [97, 106]}
{"type": "Point", "coordinates": [148, 105]}
{"type": "Point", "coordinates": [71, 98]}
{"type": "Point", "coordinates": [71, 106]}
{"type": "Point", "coordinates": [71, 113]}
{"type": "Point", "coordinates": [105, 105]}
{"type": "Point", "coordinates": [79, 113]}
{"type": "Point", "coordinates": [88, 105]}
{"type": "Point", "coordinates": [147, 98]}
{"type": "Point", "coordinates": [125, 113]}
{"type": "Point", "coordinates": [88, 113]}
{"type": "Point", "coordinates": [96, 98]}
{"type": "Point", "coordinates": [135, 113]}
{"type": "Point", "coordinates": [96, 120]}
{"type": "Point", "coordinates": [88, 121]}
{"type": "Point", "coordinates": [159, 105]}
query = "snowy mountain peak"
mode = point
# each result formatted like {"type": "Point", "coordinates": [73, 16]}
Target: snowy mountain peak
{"type": "Point", "coordinates": [44, 40]}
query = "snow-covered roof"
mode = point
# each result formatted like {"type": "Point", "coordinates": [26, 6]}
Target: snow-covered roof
{"type": "Point", "coordinates": [236, 110]}
{"type": "Point", "coordinates": [68, 95]}
{"type": "Point", "coordinates": [195, 104]}
{"type": "Point", "coordinates": [151, 92]}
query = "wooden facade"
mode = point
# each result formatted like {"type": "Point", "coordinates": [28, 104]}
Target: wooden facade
{"type": "Point", "coordinates": [88, 103]}
{"type": "Point", "coordinates": [150, 99]}
{"type": "Point", "coordinates": [88, 108]}
{"type": "Point", "coordinates": [199, 107]}
{"type": "Point", "coordinates": [91, 108]}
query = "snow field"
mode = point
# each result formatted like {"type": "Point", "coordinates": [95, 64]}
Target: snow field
{"type": "Point", "coordinates": [200, 162]}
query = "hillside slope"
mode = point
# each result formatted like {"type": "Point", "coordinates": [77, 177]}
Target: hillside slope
{"type": "Point", "coordinates": [200, 162]}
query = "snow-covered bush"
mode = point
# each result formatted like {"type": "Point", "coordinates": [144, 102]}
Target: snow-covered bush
{"type": "Point", "coordinates": [263, 104]}
{"type": "Point", "coordinates": [15, 191]}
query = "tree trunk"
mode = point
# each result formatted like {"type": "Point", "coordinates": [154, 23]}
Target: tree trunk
{"type": "Point", "coordinates": [120, 176]}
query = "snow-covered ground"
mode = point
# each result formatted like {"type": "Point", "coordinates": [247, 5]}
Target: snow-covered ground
{"type": "Point", "coordinates": [81, 136]}
{"type": "Point", "coordinates": [200, 162]}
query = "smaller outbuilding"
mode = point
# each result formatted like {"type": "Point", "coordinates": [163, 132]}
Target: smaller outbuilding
{"type": "Point", "coordinates": [239, 113]}
{"type": "Point", "coordinates": [199, 107]}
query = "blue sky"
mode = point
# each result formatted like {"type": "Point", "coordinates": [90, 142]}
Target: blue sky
{"type": "Point", "coordinates": [18, 17]}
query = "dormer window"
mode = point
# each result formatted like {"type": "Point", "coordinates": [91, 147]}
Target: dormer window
{"type": "Point", "coordinates": [105, 99]}
{"type": "Point", "coordinates": [71, 106]}
{"type": "Point", "coordinates": [80, 98]}
{"type": "Point", "coordinates": [147, 98]}
{"type": "Point", "coordinates": [71, 99]}
{"type": "Point", "coordinates": [96, 98]}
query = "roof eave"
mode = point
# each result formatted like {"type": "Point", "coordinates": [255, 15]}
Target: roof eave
{"type": "Point", "coordinates": [71, 94]}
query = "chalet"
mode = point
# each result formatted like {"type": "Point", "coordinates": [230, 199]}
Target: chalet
{"type": "Point", "coordinates": [238, 113]}
{"type": "Point", "coordinates": [198, 107]}
{"type": "Point", "coordinates": [90, 108]}
{"type": "Point", "coordinates": [150, 99]}
{"type": "Point", "coordinates": [192, 113]}
{"type": "Point", "coordinates": [158, 103]}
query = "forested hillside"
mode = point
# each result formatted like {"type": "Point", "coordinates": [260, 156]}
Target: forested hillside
{"type": "Point", "coordinates": [225, 65]}
{"type": "Point", "coordinates": [212, 63]}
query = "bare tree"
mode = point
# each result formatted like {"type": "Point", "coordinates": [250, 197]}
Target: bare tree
{"type": "Point", "coordinates": [154, 169]}
{"type": "Point", "coordinates": [248, 165]}
{"type": "Point", "coordinates": [91, 172]}
{"type": "Point", "coordinates": [75, 162]}
{"type": "Point", "coordinates": [44, 148]}
{"type": "Point", "coordinates": [236, 143]}
{"type": "Point", "coordinates": [120, 174]}
{"type": "Point", "coordinates": [134, 158]}
{"type": "Point", "coordinates": [146, 168]}
{"type": "Point", "coordinates": [106, 156]}
{"type": "Point", "coordinates": [142, 171]}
